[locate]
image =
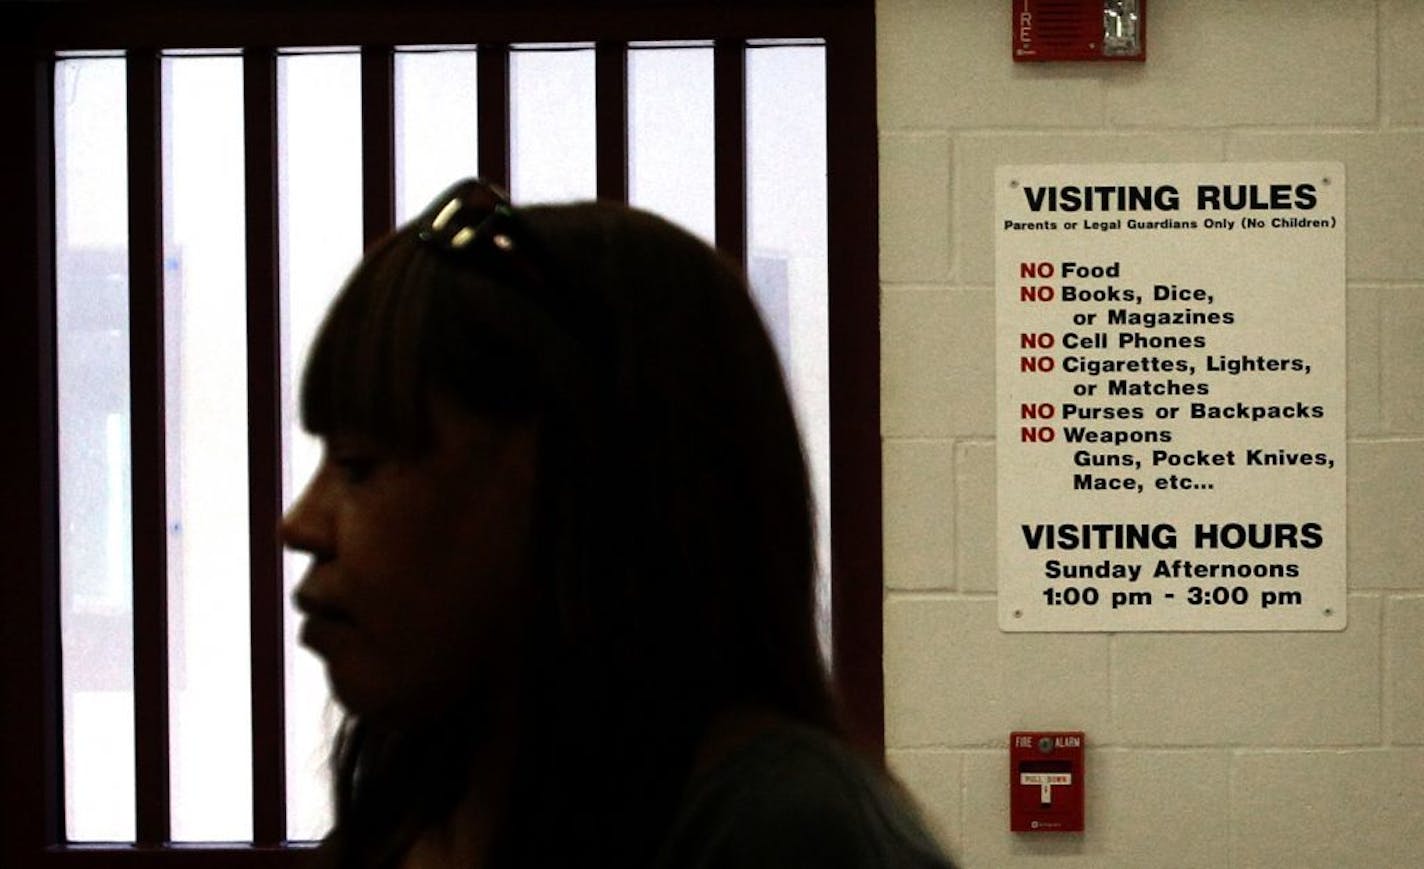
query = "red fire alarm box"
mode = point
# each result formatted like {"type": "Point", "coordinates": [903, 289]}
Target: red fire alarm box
{"type": "Point", "coordinates": [1046, 782]}
{"type": "Point", "coordinates": [1080, 30]}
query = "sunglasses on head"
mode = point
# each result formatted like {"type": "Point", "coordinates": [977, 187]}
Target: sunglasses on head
{"type": "Point", "coordinates": [474, 221]}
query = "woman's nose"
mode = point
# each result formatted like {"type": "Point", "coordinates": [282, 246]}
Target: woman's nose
{"type": "Point", "coordinates": [306, 525]}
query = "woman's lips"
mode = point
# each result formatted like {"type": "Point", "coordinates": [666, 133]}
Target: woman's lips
{"type": "Point", "coordinates": [325, 621]}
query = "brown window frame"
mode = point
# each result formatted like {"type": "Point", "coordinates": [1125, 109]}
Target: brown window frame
{"type": "Point", "coordinates": [31, 753]}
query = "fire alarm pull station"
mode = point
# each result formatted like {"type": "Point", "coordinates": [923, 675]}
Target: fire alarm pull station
{"type": "Point", "coordinates": [1046, 782]}
{"type": "Point", "coordinates": [1080, 30]}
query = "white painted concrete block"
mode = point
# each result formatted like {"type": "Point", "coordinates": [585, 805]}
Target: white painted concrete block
{"type": "Point", "coordinates": [919, 514]}
{"type": "Point", "coordinates": [1328, 809]}
{"type": "Point", "coordinates": [1404, 670]}
{"type": "Point", "coordinates": [1287, 688]}
{"type": "Point", "coordinates": [976, 517]}
{"type": "Point", "coordinates": [1401, 62]}
{"type": "Point", "coordinates": [1223, 63]}
{"type": "Point", "coordinates": [937, 363]}
{"type": "Point", "coordinates": [914, 208]}
{"type": "Point", "coordinates": [1385, 493]}
{"type": "Point", "coordinates": [1402, 360]}
{"type": "Point", "coordinates": [1362, 361]}
{"type": "Point", "coordinates": [952, 678]}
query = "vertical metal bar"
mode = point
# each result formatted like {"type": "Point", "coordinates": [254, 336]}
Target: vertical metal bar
{"type": "Point", "coordinates": [31, 753]}
{"type": "Point", "coordinates": [378, 150]}
{"type": "Point", "coordinates": [146, 401]}
{"type": "Point", "coordinates": [50, 757]}
{"type": "Point", "coordinates": [857, 598]}
{"type": "Point", "coordinates": [264, 447]}
{"type": "Point", "coordinates": [611, 102]}
{"type": "Point", "coordinates": [729, 87]}
{"type": "Point", "coordinates": [493, 86]}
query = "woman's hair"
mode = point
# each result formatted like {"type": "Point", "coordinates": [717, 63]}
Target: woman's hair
{"type": "Point", "coordinates": [674, 560]}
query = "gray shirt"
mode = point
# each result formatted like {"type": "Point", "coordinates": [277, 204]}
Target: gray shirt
{"type": "Point", "coordinates": [793, 798]}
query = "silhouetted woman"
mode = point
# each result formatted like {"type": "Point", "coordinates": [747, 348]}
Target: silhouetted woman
{"type": "Point", "coordinates": [563, 565]}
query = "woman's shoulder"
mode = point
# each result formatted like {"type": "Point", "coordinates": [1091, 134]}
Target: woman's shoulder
{"type": "Point", "coordinates": [791, 795]}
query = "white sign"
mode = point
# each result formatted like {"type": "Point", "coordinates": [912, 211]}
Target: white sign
{"type": "Point", "coordinates": [1171, 397]}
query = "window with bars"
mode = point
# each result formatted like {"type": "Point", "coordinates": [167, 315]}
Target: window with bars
{"type": "Point", "coordinates": [195, 208]}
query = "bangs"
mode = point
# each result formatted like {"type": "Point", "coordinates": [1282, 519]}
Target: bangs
{"type": "Point", "coordinates": [364, 374]}
{"type": "Point", "coordinates": [407, 324]}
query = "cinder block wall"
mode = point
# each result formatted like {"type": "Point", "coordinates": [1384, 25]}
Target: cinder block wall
{"type": "Point", "coordinates": [1211, 750]}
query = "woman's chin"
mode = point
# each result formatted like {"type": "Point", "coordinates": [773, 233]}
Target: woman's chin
{"type": "Point", "coordinates": [376, 701]}
{"type": "Point", "coordinates": [357, 690]}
